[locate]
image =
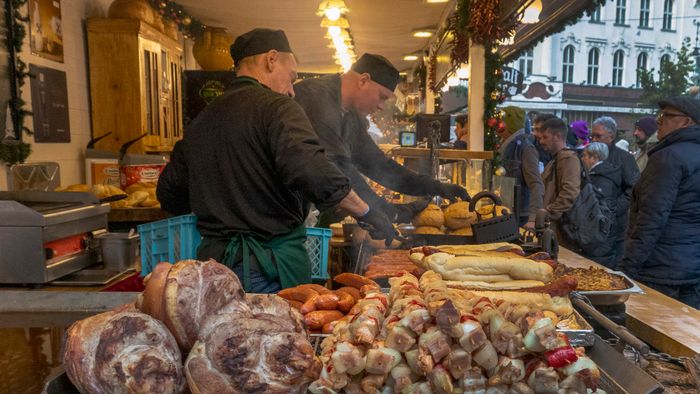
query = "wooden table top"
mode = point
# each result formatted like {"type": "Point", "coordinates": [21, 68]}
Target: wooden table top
{"type": "Point", "coordinates": [664, 323]}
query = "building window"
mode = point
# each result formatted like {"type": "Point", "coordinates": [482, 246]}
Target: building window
{"type": "Point", "coordinates": [644, 10]}
{"type": "Point", "coordinates": [620, 11]}
{"type": "Point", "coordinates": [525, 63]}
{"type": "Point", "coordinates": [664, 59]}
{"type": "Point", "coordinates": [618, 68]}
{"type": "Point", "coordinates": [595, 15]}
{"type": "Point", "coordinates": [668, 15]}
{"type": "Point", "coordinates": [567, 72]}
{"type": "Point", "coordinates": [593, 59]}
{"type": "Point", "coordinates": [642, 61]}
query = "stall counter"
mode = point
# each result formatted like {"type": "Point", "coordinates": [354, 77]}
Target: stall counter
{"type": "Point", "coordinates": [664, 323]}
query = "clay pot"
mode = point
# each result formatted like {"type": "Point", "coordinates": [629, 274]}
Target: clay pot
{"type": "Point", "coordinates": [132, 9]}
{"type": "Point", "coordinates": [211, 49]}
{"type": "Point", "coordinates": [170, 29]}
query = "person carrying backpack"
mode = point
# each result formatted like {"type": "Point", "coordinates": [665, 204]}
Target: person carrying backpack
{"type": "Point", "coordinates": [607, 182]}
{"type": "Point", "coordinates": [521, 161]}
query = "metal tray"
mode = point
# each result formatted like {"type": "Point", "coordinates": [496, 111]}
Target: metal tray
{"type": "Point", "coordinates": [585, 336]}
{"type": "Point", "coordinates": [613, 297]}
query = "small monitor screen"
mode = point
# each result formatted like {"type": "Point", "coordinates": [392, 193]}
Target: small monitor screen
{"type": "Point", "coordinates": [424, 124]}
{"type": "Point", "coordinates": [407, 138]}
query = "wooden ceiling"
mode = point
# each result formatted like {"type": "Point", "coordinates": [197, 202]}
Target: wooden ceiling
{"type": "Point", "coordinates": [377, 26]}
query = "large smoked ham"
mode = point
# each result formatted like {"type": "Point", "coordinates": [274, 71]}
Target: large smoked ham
{"type": "Point", "coordinates": [182, 295]}
{"type": "Point", "coordinates": [122, 351]}
{"type": "Point", "coordinates": [239, 352]}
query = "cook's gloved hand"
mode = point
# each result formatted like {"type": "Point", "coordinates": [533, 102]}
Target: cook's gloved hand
{"type": "Point", "coordinates": [404, 213]}
{"type": "Point", "coordinates": [452, 192]}
{"type": "Point", "coordinates": [378, 225]}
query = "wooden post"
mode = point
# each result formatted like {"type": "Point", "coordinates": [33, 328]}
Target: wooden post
{"type": "Point", "coordinates": [475, 101]}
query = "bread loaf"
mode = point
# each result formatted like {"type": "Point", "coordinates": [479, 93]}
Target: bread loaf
{"type": "Point", "coordinates": [431, 216]}
{"type": "Point", "coordinates": [458, 216]}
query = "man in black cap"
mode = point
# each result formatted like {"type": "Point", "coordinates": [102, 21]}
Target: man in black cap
{"type": "Point", "coordinates": [337, 106]}
{"type": "Point", "coordinates": [248, 167]}
{"type": "Point", "coordinates": [645, 133]}
{"type": "Point", "coordinates": [662, 248]}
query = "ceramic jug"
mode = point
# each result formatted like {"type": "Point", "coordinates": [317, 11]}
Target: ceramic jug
{"type": "Point", "coordinates": [211, 49]}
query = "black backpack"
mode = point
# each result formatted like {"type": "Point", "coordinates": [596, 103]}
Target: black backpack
{"type": "Point", "coordinates": [589, 221]}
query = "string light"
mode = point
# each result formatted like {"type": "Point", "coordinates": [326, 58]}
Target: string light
{"type": "Point", "coordinates": [338, 31]}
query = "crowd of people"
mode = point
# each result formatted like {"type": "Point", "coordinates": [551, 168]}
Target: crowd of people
{"type": "Point", "coordinates": [651, 197]}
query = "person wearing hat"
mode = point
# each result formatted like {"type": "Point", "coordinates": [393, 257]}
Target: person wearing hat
{"type": "Point", "coordinates": [521, 161]}
{"type": "Point", "coordinates": [338, 106]}
{"type": "Point", "coordinates": [604, 129]}
{"type": "Point", "coordinates": [248, 167]}
{"type": "Point", "coordinates": [645, 133]}
{"type": "Point", "coordinates": [580, 130]}
{"type": "Point", "coordinates": [662, 247]}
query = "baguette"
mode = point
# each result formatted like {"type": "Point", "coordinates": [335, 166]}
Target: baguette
{"type": "Point", "coordinates": [507, 285]}
{"type": "Point", "coordinates": [489, 263]}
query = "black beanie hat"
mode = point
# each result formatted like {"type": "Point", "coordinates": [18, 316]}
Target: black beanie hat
{"type": "Point", "coordinates": [379, 68]}
{"type": "Point", "coordinates": [259, 41]}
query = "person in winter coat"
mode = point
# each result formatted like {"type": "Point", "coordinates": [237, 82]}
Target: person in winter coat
{"type": "Point", "coordinates": [607, 180]}
{"type": "Point", "coordinates": [521, 161]}
{"type": "Point", "coordinates": [562, 175]}
{"type": "Point", "coordinates": [605, 130]}
{"type": "Point", "coordinates": [645, 134]}
{"type": "Point", "coordinates": [662, 248]}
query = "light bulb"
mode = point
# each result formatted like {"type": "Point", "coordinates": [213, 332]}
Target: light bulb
{"type": "Point", "coordinates": [410, 58]}
{"type": "Point", "coordinates": [333, 13]}
{"type": "Point", "coordinates": [334, 31]}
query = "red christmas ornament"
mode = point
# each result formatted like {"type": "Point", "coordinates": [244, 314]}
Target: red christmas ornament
{"type": "Point", "coordinates": [492, 122]}
{"type": "Point", "coordinates": [501, 125]}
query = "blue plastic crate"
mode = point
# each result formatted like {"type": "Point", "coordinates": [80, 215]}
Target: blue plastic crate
{"type": "Point", "coordinates": [177, 239]}
{"type": "Point", "coordinates": [169, 240]}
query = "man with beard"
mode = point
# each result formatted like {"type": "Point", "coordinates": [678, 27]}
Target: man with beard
{"type": "Point", "coordinates": [338, 106]}
{"type": "Point", "coordinates": [662, 248]}
{"type": "Point", "coordinates": [645, 134]}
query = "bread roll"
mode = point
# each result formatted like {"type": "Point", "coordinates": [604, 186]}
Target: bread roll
{"type": "Point", "coordinates": [427, 230]}
{"type": "Point", "coordinates": [431, 216]}
{"type": "Point", "coordinates": [457, 216]}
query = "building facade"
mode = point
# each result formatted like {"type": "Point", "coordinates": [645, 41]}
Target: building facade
{"type": "Point", "coordinates": [591, 68]}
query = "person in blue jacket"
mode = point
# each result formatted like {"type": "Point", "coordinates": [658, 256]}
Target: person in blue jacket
{"type": "Point", "coordinates": [662, 247]}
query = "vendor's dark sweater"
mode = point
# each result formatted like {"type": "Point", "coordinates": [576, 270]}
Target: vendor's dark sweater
{"type": "Point", "coordinates": [344, 136]}
{"type": "Point", "coordinates": [250, 162]}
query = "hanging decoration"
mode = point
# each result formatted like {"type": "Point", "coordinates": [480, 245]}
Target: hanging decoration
{"type": "Point", "coordinates": [13, 150]}
{"type": "Point", "coordinates": [478, 22]}
{"type": "Point", "coordinates": [338, 31]}
{"type": "Point", "coordinates": [432, 72]}
{"type": "Point", "coordinates": [187, 24]}
{"type": "Point", "coordinates": [493, 97]}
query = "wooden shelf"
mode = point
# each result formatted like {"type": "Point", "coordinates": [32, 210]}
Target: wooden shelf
{"type": "Point", "coordinates": [457, 154]}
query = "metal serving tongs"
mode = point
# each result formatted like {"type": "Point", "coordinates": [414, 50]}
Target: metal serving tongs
{"type": "Point", "coordinates": [619, 331]}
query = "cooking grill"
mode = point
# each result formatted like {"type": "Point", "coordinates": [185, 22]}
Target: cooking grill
{"type": "Point", "coordinates": [47, 235]}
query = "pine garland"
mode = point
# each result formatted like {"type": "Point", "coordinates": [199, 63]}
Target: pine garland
{"type": "Point", "coordinates": [13, 151]}
{"type": "Point", "coordinates": [187, 24]}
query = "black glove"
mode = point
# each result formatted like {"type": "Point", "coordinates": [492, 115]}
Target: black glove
{"type": "Point", "coordinates": [452, 192]}
{"type": "Point", "coordinates": [404, 213]}
{"type": "Point", "coordinates": [378, 225]}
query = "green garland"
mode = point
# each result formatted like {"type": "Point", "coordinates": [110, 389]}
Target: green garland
{"type": "Point", "coordinates": [187, 24]}
{"type": "Point", "coordinates": [13, 151]}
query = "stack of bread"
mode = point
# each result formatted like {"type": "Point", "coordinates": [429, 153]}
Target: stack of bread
{"type": "Point", "coordinates": [139, 195]}
{"type": "Point", "coordinates": [429, 221]}
{"type": "Point", "coordinates": [458, 218]}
